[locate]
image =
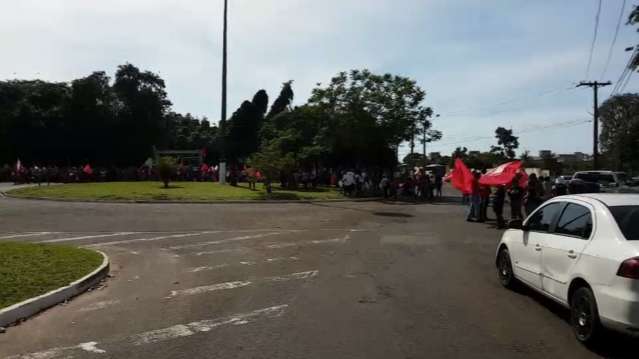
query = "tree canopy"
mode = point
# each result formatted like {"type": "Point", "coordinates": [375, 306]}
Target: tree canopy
{"type": "Point", "coordinates": [619, 117]}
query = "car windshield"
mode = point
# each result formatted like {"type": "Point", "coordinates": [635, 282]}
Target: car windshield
{"type": "Point", "coordinates": [627, 218]}
{"type": "Point", "coordinates": [596, 177]}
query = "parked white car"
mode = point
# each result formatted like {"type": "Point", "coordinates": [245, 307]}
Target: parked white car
{"type": "Point", "coordinates": [583, 252]}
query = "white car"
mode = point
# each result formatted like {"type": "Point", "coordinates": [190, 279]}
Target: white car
{"type": "Point", "coordinates": [583, 252]}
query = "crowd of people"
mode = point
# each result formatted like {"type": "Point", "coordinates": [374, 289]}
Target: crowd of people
{"type": "Point", "coordinates": [522, 195]}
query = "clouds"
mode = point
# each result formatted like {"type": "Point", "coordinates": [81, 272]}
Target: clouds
{"type": "Point", "coordinates": [467, 55]}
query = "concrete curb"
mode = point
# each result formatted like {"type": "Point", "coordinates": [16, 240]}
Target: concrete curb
{"type": "Point", "coordinates": [33, 306]}
{"type": "Point", "coordinates": [248, 201]}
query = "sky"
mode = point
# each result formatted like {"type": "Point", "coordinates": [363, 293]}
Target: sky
{"type": "Point", "coordinates": [482, 63]}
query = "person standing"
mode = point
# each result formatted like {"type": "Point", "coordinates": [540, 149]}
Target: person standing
{"type": "Point", "coordinates": [515, 193]}
{"type": "Point", "coordinates": [384, 185]}
{"type": "Point", "coordinates": [475, 199]}
{"type": "Point", "coordinates": [348, 183]}
{"type": "Point", "coordinates": [498, 206]}
{"type": "Point", "coordinates": [534, 193]}
{"type": "Point", "coordinates": [484, 194]}
{"type": "Point", "coordinates": [439, 181]}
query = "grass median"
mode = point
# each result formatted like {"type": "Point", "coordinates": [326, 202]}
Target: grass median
{"type": "Point", "coordinates": [28, 270]}
{"type": "Point", "coordinates": [178, 191]}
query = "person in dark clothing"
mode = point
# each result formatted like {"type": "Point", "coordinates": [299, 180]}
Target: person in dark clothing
{"type": "Point", "coordinates": [498, 206]}
{"type": "Point", "coordinates": [475, 199]}
{"type": "Point", "coordinates": [484, 194]}
{"type": "Point", "coordinates": [439, 181]}
{"type": "Point", "coordinates": [515, 193]}
{"type": "Point", "coordinates": [534, 193]}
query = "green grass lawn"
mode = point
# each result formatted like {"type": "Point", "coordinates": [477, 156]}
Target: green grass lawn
{"type": "Point", "coordinates": [193, 191]}
{"type": "Point", "coordinates": [28, 270]}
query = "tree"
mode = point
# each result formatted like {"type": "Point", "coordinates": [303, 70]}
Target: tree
{"type": "Point", "coordinates": [460, 152]}
{"type": "Point", "coordinates": [619, 117]}
{"type": "Point", "coordinates": [507, 143]}
{"type": "Point", "coordinates": [166, 170]}
{"type": "Point", "coordinates": [393, 103]}
{"type": "Point", "coordinates": [241, 131]}
{"type": "Point", "coordinates": [283, 101]}
{"type": "Point", "coordinates": [415, 160]}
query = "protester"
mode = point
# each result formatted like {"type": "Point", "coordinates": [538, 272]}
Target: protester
{"type": "Point", "coordinates": [348, 183]}
{"type": "Point", "coordinates": [515, 193]}
{"type": "Point", "coordinates": [384, 186]}
{"type": "Point", "coordinates": [475, 199]}
{"type": "Point", "coordinates": [439, 182]}
{"type": "Point", "coordinates": [484, 194]}
{"type": "Point", "coordinates": [498, 205]}
{"type": "Point", "coordinates": [534, 193]}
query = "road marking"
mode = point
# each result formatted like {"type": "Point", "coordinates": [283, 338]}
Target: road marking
{"type": "Point", "coordinates": [35, 234]}
{"type": "Point", "coordinates": [207, 268]}
{"type": "Point", "coordinates": [181, 235]}
{"type": "Point", "coordinates": [228, 240]}
{"type": "Point", "coordinates": [91, 347]}
{"type": "Point", "coordinates": [160, 335]}
{"type": "Point", "coordinates": [61, 352]}
{"type": "Point", "coordinates": [305, 243]}
{"type": "Point", "coordinates": [241, 284]}
{"type": "Point", "coordinates": [185, 330]}
{"type": "Point", "coordinates": [87, 237]}
{"type": "Point", "coordinates": [210, 288]}
{"type": "Point", "coordinates": [219, 251]}
{"type": "Point", "coordinates": [99, 305]}
{"type": "Point", "coordinates": [246, 263]}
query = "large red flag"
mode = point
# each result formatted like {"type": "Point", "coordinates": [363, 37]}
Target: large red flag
{"type": "Point", "coordinates": [461, 177]}
{"type": "Point", "coordinates": [504, 174]}
{"type": "Point", "coordinates": [87, 169]}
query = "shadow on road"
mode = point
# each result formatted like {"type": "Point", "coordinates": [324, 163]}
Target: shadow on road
{"type": "Point", "coordinates": [614, 345]}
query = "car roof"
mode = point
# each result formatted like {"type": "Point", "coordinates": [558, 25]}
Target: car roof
{"type": "Point", "coordinates": [596, 172]}
{"type": "Point", "coordinates": [609, 199]}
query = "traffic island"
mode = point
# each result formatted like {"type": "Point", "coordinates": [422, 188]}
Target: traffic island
{"type": "Point", "coordinates": [177, 192]}
{"type": "Point", "coordinates": [34, 277]}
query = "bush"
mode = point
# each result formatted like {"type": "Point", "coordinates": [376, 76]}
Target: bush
{"type": "Point", "coordinates": [166, 170]}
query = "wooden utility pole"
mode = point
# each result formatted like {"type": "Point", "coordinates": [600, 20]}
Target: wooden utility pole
{"type": "Point", "coordinates": [595, 135]}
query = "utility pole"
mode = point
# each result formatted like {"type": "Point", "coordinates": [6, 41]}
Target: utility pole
{"type": "Point", "coordinates": [595, 135]}
{"type": "Point", "coordinates": [222, 169]}
{"type": "Point", "coordinates": [224, 63]}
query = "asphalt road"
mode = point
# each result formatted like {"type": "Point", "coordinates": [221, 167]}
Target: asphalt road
{"type": "Point", "coordinates": [338, 280]}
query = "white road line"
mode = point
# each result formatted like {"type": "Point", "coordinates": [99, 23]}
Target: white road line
{"type": "Point", "coordinates": [220, 251]}
{"type": "Point", "coordinates": [210, 288]}
{"type": "Point", "coordinates": [305, 243]}
{"type": "Point", "coordinates": [62, 352]}
{"type": "Point", "coordinates": [172, 236]}
{"type": "Point", "coordinates": [99, 305]}
{"type": "Point", "coordinates": [21, 235]}
{"type": "Point", "coordinates": [87, 237]}
{"type": "Point", "coordinates": [246, 263]}
{"type": "Point", "coordinates": [185, 330]}
{"type": "Point", "coordinates": [160, 335]}
{"type": "Point", "coordinates": [241, 284]}
{"type": "Point", "coordinates": [207, 268]}
{"type": "Point", "coordinates": [228, 240]}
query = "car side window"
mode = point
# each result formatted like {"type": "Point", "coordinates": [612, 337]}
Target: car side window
{"type": "Point", "coordinates": [542, 220]}
{"type": "Point", "coordinates": [575, 221]}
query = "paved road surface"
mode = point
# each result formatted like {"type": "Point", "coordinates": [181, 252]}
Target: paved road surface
{"type": "Point", "coordinates": [340, 280]}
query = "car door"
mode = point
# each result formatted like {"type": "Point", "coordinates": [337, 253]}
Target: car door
{"type": "Point", "coordinates": [527, 253]}
{"type": "Point", "coordinates": [562, 249]}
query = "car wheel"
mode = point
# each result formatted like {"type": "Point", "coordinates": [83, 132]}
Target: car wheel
{"type": "Point", "coordinates": [505, 269]}
{"type": "Point", "coordinates": [584, 316]}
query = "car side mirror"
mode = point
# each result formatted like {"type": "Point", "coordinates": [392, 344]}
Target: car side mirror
{"type": "Point", "coordinates": [516, 224]}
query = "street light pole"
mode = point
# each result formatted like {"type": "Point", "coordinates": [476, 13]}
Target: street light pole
{"type": "Point", "coordinates": [222, 168]}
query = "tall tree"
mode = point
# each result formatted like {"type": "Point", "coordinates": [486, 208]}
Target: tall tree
{"type": "Point", "coordinates": [283, 101]}
{"type": "Point", "coordinates": [241, 131]}
{"type": "Point", "coordinates": [619, 117]}
{"type": "Point", "coordinates": [507, 143]}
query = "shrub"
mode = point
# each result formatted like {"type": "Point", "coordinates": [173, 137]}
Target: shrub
{"type": "Point", "coordinates": [166, 170]}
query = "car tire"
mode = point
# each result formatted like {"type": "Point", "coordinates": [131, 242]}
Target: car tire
{"type": "Point", "coordinates": [584, 316]}
{"type": "Point", "coordinates": [505, 269]}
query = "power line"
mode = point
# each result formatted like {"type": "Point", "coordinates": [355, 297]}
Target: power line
{"type": "Point", "coordinates": [614, 39]}
{"type": "Point", "coordinates": [627, 71]}
{"type": "Point", "coordinates": [564, 124]}
{"type": "Point", "coordinates": [594, 39]}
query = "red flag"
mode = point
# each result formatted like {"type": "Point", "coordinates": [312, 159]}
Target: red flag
{"type": "Point", "coordinates": [504, 175]}
{"type": "Point", "coordinates": [461, 177]}
{"type": "Point", "coordinates": [87, 169]}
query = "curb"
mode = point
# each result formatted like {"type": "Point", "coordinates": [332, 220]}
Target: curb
{"type": "Point", "coordinates": [35, 305]}
{"type": "Point", "coordinates": [248, 201]}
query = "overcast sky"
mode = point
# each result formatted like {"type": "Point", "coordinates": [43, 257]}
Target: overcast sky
{"type": "Point", "coordinates": [483, 63]}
